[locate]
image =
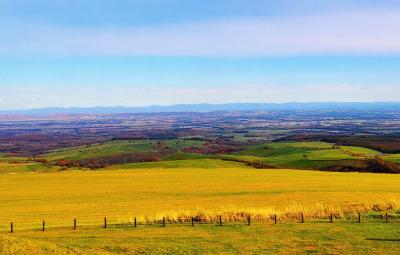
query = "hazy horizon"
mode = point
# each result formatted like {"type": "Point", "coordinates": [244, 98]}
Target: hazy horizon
{"type": "Point", "coordinates": [206, 107]}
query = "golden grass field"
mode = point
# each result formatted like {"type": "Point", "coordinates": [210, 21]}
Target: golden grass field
{"type": "Point", "coordinates": [207, 188]}
{"type": "Point", "coordinates": [178, 193]}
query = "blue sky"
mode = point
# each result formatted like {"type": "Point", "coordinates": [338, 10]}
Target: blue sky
{"type": "Point", "coordinates": [133, 53]}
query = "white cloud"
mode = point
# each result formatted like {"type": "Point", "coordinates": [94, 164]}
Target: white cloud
{"type": "Point", "coordinates": [356, 32]}
{"type": "Point", "coordinates": [38, 97]}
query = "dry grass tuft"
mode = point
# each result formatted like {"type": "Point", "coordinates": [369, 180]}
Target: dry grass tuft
{"type": "Point", "coordinates": [289, 212]}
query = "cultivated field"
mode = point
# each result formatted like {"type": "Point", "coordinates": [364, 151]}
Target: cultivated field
{"type": "Point", "coordinates": [176, 191]}
{"type": "Point", "coordinates": [150, 191]}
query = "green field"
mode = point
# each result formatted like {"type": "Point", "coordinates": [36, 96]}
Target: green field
{"type": "Point", "coordinates": [360, 151]}
{"type": "Point", "coordinates": [10, 168]}
{"type": "Point", "coordinates": [116, 147]}
{"type": "Point", "coordinates": [293, 150]}
{"type": "Point", "coordinates": [297, 155]}
{"type": "Point", "coordinates": [305, 155]}
{"type": "Point", "coordinates": [188, 164]}
{"type": "Point", "coordinates": [393, 158]}
{"type": "Point", "coordinates": [265, 238]}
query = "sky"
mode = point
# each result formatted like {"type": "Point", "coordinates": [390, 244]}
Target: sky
{"type": "Point", "coordinates": [160, 52]}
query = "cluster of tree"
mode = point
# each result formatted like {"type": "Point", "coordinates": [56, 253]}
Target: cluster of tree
{"type": "Point", "coordinates": [220, 145]}
{"type": "Point", "coordinates": [383, 143]}
{"type": "Point", "coordinates": [386, 144]}
{"type": "Point", "coordinates": [213, 149]}
{"type": "Point", "coordinates": [34, 144]}
{"type": "Point", "coordinates": [256, 163]}
{"type": "Point", "coordinates": [227, 141]}
{"type": "Point", "coordinates": [101, 162]}
{"type": "Point", "coordinates": [40, 160]}
{"type": "Point", "coordinates": [154, 134]}
{"type": "Point", "coordinates": [374, 165]}
{"type": "Point", "coordinates": [161, 147]}
{"type": "Point", "coordinates": [198, 138]}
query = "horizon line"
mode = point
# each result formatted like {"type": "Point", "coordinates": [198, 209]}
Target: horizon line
{"type": "Point", "coordinates": [194, 104]}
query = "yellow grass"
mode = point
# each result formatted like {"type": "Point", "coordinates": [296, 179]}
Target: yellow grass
{"type": "Point", "coordinates": [150, 194]}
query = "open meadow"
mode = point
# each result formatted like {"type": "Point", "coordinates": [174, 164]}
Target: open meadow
{"type": "Point", "coordinates": [204, 189]}
{"type": "Point", "coordinates": [153, 191]}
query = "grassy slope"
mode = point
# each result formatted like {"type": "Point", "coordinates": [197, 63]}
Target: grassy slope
{"type": "Point", "coordinates": [116, 147]}
{"type": "Point", "coordinates": [6, 167]}
{"type": "Point", "coordinates": [274, 149]}
{"type": "Point", "coordinates": [360, 151]}
{"type": "Point", "coordinates": [287, 238]}
{"type": "Point", "coordinates": [392, 157]}
{"type": "Point", "coordinates": [305, 155]}
{"type": "Point", "coordinates": [174, 188]}
{"type": "Point", "coordinates": [59, 197]}
{"type": "Point", "coordinates": [187, 164]}
{"type": "Point", "coordinates": [100, 150]}
{"type": "Point", "coordinates": [300, 154]}
{"type": "Point", "coordinates": [3, 158]}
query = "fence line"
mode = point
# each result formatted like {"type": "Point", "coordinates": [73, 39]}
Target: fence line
{"type": "Point", "coordinates": [385, 218]}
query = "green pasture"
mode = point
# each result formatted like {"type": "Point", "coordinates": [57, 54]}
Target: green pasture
{"type": "Point", "coordinates": [392, 157]}
{"type": "Point", "coordinates": [300, 155]}
{"type": "Point", "coordinates": [360, 151]}
{"type": "Point", "coordinates": [193, 163]}
{"type": "Point", "coordinates": [117, 147]}
{"type": "Point", "coordinates": [289, 238]}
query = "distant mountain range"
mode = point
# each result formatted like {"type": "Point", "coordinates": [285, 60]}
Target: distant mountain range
{"type": "Point", "coordinates": [208, 108]}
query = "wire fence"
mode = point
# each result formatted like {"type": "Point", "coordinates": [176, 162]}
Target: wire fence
{"type": "Point", "coordinates": [219, 220]}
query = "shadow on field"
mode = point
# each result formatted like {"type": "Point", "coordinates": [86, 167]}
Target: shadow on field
{"type": "Point", "coordinates": [383, 239]}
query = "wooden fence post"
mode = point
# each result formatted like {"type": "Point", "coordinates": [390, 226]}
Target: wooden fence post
{"type": "Point", "coordinates": [11, 227]}
{"type": "Point", "coordinates": [43, 226]}
{"type": "Point", "coordinates": [135, 223]}
{"type": "Point", "coordinates": [386, 217]}
{"type": "Point", "coordinates": [105, 222]}
{"type": "Point", "coordinates": [74, 224]}
{"type": "Point", "coordinates": [359, 217]}
{"type": "Point", "coordinates": [192, 222]}
{"type": "Point", "coordinates": [275, 219]}
{"type": "Point", "coordinates": [220, 220]}
{"type": "Point", "coordinates": [302, 218]}
{"type": "Point", "coordinates": [249, 220]}
{"type": "Point", "coordinates": [163, 219]}
{"type": "Point", "coordinates": [331, 217]}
